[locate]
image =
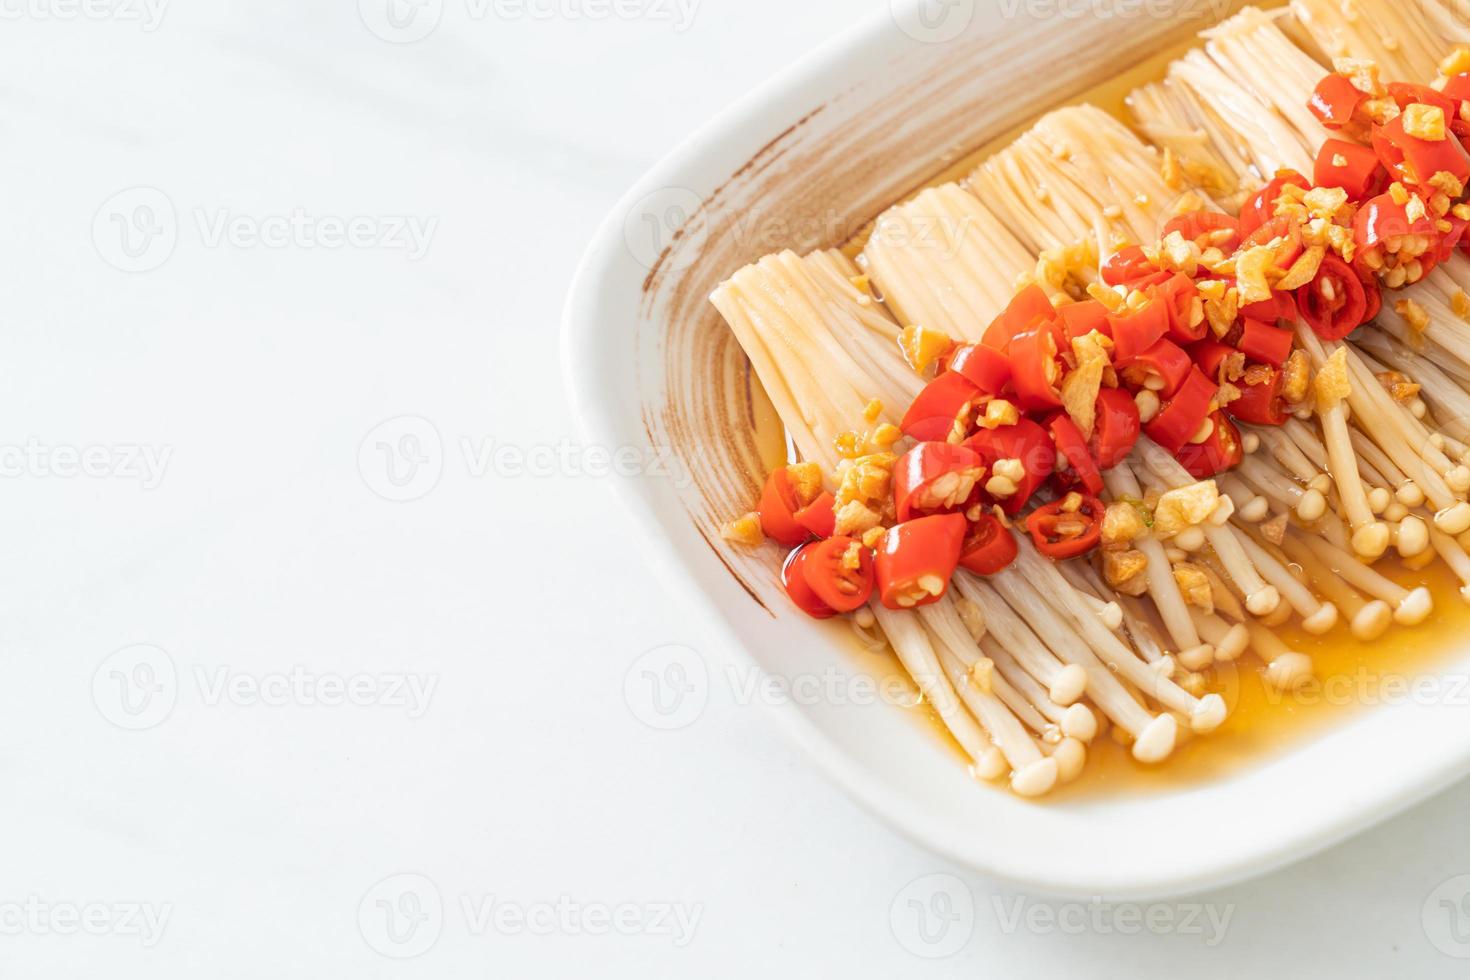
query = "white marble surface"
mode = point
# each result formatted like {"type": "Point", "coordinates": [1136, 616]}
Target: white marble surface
{"type": "Point", "coordinates": [233, 519]}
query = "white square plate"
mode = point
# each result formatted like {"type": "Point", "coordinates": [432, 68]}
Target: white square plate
{"type": "Point", "coordinates": [804, 162]}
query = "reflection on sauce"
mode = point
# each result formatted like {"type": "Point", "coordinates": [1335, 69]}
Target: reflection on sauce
{"type": "Point", "coordinates": [1350, 676]}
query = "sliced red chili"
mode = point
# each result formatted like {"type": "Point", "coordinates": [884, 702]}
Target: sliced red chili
{"type": "Point", "coordinates": [793, 576]}
{"type": "Point", "coordinates": [1117, 427]}
{"type": "Point", "coordinates": [1131, 267]}
{"type": "Point", "coordinates": [1025, 309]}
{"type": "Point", "coordinates": [1219, 452]}
{"type": "Point", "coordinates": [1025, 441]}
{"type": "Point", "coordinates": [1034, 369]}
{"type": "Point", "coordinates": [1281, 306]}
{"type": "Point", "coordinates": [820, 516]}
{"type": "Point", "coordinates": [1180, 418]}
{"type": "Point", "coordinates": [1335, 100]}
{"type": "Point", "coordinates": [1260, 401]}
{"type": "Point", "coordinates": [1415, 160]}
{"type": "Point", "coordinates": [1262, 208]}
{"type": "Point", "coordinates": [1407, 93]}
{"type": "Point", "coordinates": [1380, 220]}
{"type": "Point", "coordinates": [931, 416]}
{"type": "Point", "coordinates": [1168, 361]}
{"type": "Point", "coordinates": [1353, 167]}
{"type": "Point", "coordinates": [989, 547]}
{"type": "Point", "coordinates": [1061, 533]}
{"type": "Point", "coordinates": [1210, 356]}
{"type": "Point", "coordinates": [917, 559]}
{"type": "Point", "coordinates": [1137, 331]}
{"type": "Point", "coordinates": [1456, 89]}
{"type": "Point", "coordinates": [840, 572]}
{"type": "Point", "coordinates": [1261, 342]}
{"type": "Point", "coordinates": [986, 367]}
{"type": "Point", "coordinates": [1179, 295]}
{"type": "Point", "coordinates": [1287, 230]}
{"type": "Point", "coordinates": [935, 476]}
{"type": "Point", "coordinates": [1207, 229]}
{"type": "Point", "coordinates": [1069, 441]}
{"type": "Point", "coordinates": [1334, 304]}
{"type": "Point", "coordinates": [1081, 319]}
{"type": "Point", "coordinates": [778, 509]}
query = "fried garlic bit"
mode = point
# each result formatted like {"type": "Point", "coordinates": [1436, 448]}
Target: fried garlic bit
{"type": "Point", "coordinates": [1122, 524]}
{"type": "Point", "coordinates": [922, 347]}
{"type": "Point", "coordinates": [1398, 385]}
{"type": "Point", "coordinates": [1457, 62]}
{"type": "Point", "coordinates": [1079, 388]}
{"type": "Point", "coordinates": [998, 413]}
{"type": "Point", "coordinates": [1296, 377]}
{"type": "Point", "coordinates": [862, 497]}
{"type": "Point", "coordinates": [1068, 269]}
{"type": "Point", "coordinates": [1185, 507]}
{"type": "Point", "coordinates": [1416, 316]}
{"type": "Point", "coordinates": [1363, 73]}
{"type": "Point", "coordinates": [1425, 122]}
{"type": "Point", "coordinates": [1124, 570]}
{"type": "Point", "coordinates": [1331, 384]}
{"type": "Point", "coordinates": [806, 481]}
{"type": "Point", "coordinates": [745, 531]}
{"type": "Point", "coordinates": [1195, 585]}
{"type": "Point", "coordinates": [1304, 270]}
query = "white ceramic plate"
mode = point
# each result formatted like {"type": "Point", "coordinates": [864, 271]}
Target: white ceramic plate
{"type": "Point", "coordinates": [804, 162]}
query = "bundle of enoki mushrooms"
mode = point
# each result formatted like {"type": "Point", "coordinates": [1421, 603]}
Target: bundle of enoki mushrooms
{"type": "Point", "coordinates": [1090, 290]}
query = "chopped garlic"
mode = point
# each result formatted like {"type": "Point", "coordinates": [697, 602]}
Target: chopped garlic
{"type": "Point", "coordinates": [1195, 585]}
{"type": "Point", "coordinates": [1080, 387]}
{"type": "Point", "coordinates": [1122, 523]}
{"type": "Point", "coordinates": [1331, 384]}
{"type": "Point", "coordinates": [1253, 272]}
{"type": "Point", "coordinates": [922, 347]}
{"type": "Point", "coordinates": [744, 531]}
{"type": "Point", "coordinates": [1185, 507]}
{"type": "Point", "coordinates": [1304, 270]}
{"type": "Point", "coordinates": [1425, 122]}
{"type": "Point", "coordinates": [1124, 571]}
